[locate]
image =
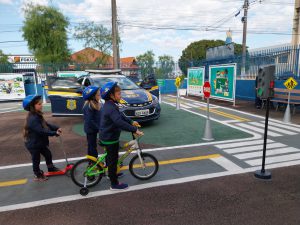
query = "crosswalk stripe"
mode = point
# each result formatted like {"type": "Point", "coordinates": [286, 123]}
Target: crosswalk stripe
{"type": "Point", "coordinates": [280, 130]}
{"type": "Point", "coordinates": [259, 130]}
{"type": "Point", "coordinates": [240, 144]}
{"type": "Point", "coordinates": [275, 159]}
{"type": "Point", "coordinates": [191, 105]}
{"type": "Point", "coordinates": [184, 106]}
{"type": "Point", "coordinates": [288, 127]}
{"type": "Point", "coordinates": [269, 152]}
{"type": "Point", "coordinates": [253, 148]}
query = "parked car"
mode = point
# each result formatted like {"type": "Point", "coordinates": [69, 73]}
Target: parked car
{"type": "Point", "coordinates": [137, 103]}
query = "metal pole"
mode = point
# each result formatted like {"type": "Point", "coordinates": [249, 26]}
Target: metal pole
{"type": "Point", "coordinates": [263, 174]}
{"type": "Point", "coordinates": [159, 96]}
{"type": "Point", "coordinates": [207, 132]}
{"type": "Point", "coordinates": [245, 20]}
{"type": "Point", "coordinates": [116, 61]}
{"type": "Point", "coordinates": [178, 100]}
{"type": "Point", "coordinates": [287, 114]}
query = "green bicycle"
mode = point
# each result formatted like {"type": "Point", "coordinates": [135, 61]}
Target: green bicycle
{"type": "Point", "coordinates": [88, 172]}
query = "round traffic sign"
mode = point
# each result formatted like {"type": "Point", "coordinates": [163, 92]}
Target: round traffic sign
{"type": "Point", "coordinates": [206, 89]}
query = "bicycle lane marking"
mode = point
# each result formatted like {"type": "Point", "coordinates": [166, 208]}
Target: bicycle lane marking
{"type": "Point", "coordinates": [138, 187]}
{"type": "Point", "coordinates": [164, 162]}
{"type": "Point", "coordinates": [13, 182]}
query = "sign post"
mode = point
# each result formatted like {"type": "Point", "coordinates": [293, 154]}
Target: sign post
{"type": "Point", "coordinates": [177, 84]}
{"type": "Point", "coordinates": [160, 83]}
{"type": "Point", "coordinates": [207, 132]}
{"type": "Point", "coordinates": [290, 84]}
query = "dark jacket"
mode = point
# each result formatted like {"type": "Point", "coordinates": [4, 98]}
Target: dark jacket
{"type": "Point", "coordinates": [112, 122]}
{"type": "Point", "coordinates": [91, 119]}
{"type": "Point", "coordinates": [37, 134]}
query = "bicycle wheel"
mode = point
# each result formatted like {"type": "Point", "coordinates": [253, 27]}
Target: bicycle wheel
{"type": "Point", "coordinates": [145, 172]}
{"type": "Point", "coordinates": [78, 173]}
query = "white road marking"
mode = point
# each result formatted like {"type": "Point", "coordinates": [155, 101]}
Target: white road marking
{"type": "Point", "coordinates": [255, 135]}
{"type": "Point", "coordinates": [144, 150]}
{"type": "Point", "coordinates": [140, 187]}
{"type": "Point", "coordinates": [185, 106]}
{"type": "Point", "coordinates": [280, 130]}
{"type": "Point", "coordinates": [271, 120]}
{"type": "Point", "coordinates": [242, 143]}
{"type": "Point", "coordinates": [253, 148]}
{"type": "Point", "coordinates": [274, 159]}
{"type": "Point", "coordinates": [226, 164]}
{"type": "Point", "coordinates": [269, 153]}
{"type": "Point", "coordinates": [10, 111]}
{"type": "Point", "coordinates": [9, 108]}
{"type": "Point", "coordinates": [259, 130]}
{"type": "Point", "coordinates": [287, 127]}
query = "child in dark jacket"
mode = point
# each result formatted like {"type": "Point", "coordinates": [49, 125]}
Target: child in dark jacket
{"type": "Point", "coordinates": [36, 133]}
{"type": "Point", "coordinates": [91, 113]}
{"type": "Point", "coordinates": [111, 124]}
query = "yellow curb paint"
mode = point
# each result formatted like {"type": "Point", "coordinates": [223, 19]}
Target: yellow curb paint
{"type": "Point", "coordinates": [13, 182]}
{"type": "Point", "coordinates": [173, 161]}
{"type": "Point", "coordinates": [227, 115]}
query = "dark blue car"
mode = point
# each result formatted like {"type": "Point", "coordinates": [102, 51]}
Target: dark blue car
{"type": "Point", "coordinates": [137, 103]}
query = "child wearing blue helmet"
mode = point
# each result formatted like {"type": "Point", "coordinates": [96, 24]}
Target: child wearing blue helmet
{"type": "Point", "coordinates": [91, 113]}
{"type": "Point", "coordinates": [111, 124]}
{"type": "Point", "coordinates": [36, 132]}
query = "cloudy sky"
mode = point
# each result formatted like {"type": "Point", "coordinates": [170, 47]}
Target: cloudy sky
{"type": "Point", "coordinates": [165, 26]}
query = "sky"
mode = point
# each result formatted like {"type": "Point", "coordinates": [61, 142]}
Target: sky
{"type": "Point", "coordinates": [165, 26]}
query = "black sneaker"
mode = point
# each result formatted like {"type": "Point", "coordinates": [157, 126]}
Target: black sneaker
{"type": "Point", "coordinates": [40, 176]}
{"type": "Point", "coordinates": [119, 187]}
{"type": "Point", "coordinates": [53, 169]}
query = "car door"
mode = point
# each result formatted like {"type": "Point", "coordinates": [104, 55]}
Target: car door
{"type": "Point", "coordinates": [65, 94]}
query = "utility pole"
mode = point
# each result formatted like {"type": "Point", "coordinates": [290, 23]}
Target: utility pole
{"type": "Point", "coordinates": [115, 39]}
{"type": "Point", "coordinates": [244, 20]}
{"type": "Point", "coordinates": [296, 24]}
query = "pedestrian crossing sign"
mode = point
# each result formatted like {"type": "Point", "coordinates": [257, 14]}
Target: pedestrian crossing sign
{"type": "Point", "coordinates": [290, 83]}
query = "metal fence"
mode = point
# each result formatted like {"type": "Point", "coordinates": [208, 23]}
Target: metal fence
{"type": "Point", "coordinates": [286, 60]}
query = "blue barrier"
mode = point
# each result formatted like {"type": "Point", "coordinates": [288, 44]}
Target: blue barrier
{"type": "Point", "coordinates": [170, 88]}
{"type": "Point", "coordinates": [245, 89]}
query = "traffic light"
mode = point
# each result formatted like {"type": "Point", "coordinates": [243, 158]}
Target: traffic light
{"type": "Point", "coordinates": [265, 82]}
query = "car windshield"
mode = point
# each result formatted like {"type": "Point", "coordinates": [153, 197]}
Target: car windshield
{"type": "Point", "coordinates": [123, 82]}
{"type": "Point", "coordinates": [64, 83]}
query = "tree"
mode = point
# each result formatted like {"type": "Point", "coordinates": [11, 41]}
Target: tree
{"type": "Point", "coordinates": [45, 30]}
{"type": "Point", "coordinates": [164, 67]}
{"type": "Point", "coordinates": [146, 63]}
{"type": "Point", "coordinates": [196, 51]}
{"type": "Point", "coordinates": [95, 36]}
{"type": "Point", "coordinates": [3, 58]}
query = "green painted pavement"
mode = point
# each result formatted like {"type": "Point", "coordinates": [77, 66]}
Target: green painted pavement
{"type": "Point", "coordinates": [178, 127]}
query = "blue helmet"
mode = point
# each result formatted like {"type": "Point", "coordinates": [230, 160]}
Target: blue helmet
{"type": "Point", "coordinates": [89, 91]}
{"type": "Point", "coordinates": [28, 100]}
{"type": "Point", "coordinates": [107, 88]}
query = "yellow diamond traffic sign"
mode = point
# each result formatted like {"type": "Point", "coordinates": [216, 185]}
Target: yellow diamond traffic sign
{"type": "Point", "coordinates": [290, 83]}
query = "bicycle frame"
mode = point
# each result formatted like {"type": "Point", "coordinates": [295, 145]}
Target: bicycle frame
{"type": "Point", "coordinates": [130, 146]}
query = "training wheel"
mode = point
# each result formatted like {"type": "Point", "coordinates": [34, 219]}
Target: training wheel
{"type": "Point", "coordinates": [84, 191]}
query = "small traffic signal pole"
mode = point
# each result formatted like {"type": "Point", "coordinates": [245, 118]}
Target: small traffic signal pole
{"type": "Point", "coordinates": [263, 174]}
{"type": "Point", "coordinates": [178, 100]}
{"type": "Point", "coordinates": [287, 114]}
